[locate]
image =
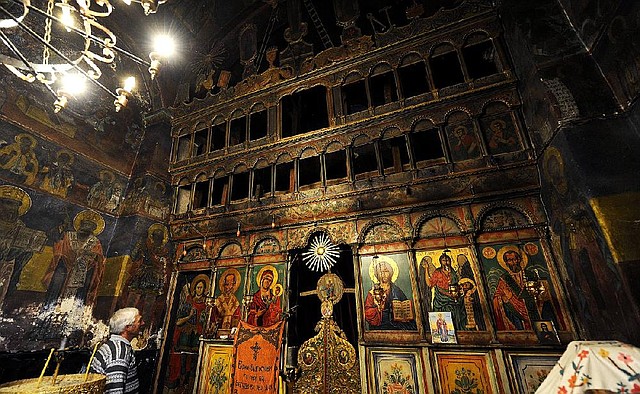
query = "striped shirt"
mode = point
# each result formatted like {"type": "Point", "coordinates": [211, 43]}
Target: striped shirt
{"type": "Point", "coordinates": [115, 359]}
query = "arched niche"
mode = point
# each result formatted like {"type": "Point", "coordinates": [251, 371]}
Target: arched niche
{"type": "Point", "coordinates": [479, 55]}
{"type": "Point", "coordinates": [382, 85]}
{"type": "Point", "coordinates": [267, 245]}
{"type": "Point", "coordinates": [412, 73]}
{"type": "Point", "coordinates": [445, 66]}
{"type": "Point", "coordinates": [426, 142]}
{"type": "Point", "coordinates": [503, 218]}
{"type": "Point", "coordinates": [381, 232]}
{"type": "Point", "coordinates": [230, 250]}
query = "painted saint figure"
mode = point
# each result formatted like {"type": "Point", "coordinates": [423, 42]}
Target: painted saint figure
{"type": "Point", "coordinates": [20, 159]}
{"type": "Point", "coordinates": [18, 243]}
{"type": "Point", "coordinates": [190, 323]}
{"type": "Point", "coordinates": [226, 311]}
{"type": "Point", "coordinates": [442, 329]}
{"type": "Point", "coordinates": [464, 144]}
{"type": "Point", "coordinates": [379, 304]}
{"type": "Point", "coordinates": [102, 191]}
{"type": "Point", "coordinates": [514, 307]}
{"type": "Point", "coordinates": [149, 275]}
{"type": "Point", "coordinates": [265, 309]}
{"type": "Point", "coordinates": [442, 299]}
{"type": "Point", "coordinates": [501, 139]}
{"type": "Point", "coordinates": [59, 177]}
{"type": "Point", "coordinates": [78, 262]}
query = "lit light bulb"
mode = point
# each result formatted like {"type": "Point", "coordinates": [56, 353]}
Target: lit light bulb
{"type": "Point", "coordinates": [71, 86]}
{"type": "Point", "coordinates": [74, 83]}
{"type": "Point", "coordinates": [164, 46]}
{"type": "Point", "coordinates": [129, 84]}
{"type": "Point", "coordinates": [66, 18]}
{"type": "Point", "coordinates": [123, 93]}
{"type": "Point", "coordinates": [238, 230]}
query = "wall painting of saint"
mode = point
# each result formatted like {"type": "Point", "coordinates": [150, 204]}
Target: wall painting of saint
{"type": "Point", "coordinates": [227, 302]}
{"type": "Point", "coordinates": [389, 302]}
{"type": "Point", "coordinates": [265, 299]}
{"type": "Point", "coordinates": [438, 271]}
{"type": "Point", "coordinates": [507, 267]}
{"type": "Point", "coordinates": [189, 317]}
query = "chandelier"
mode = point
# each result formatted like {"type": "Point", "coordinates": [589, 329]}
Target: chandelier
{"type": "Point", "coordinates": [62, 44]}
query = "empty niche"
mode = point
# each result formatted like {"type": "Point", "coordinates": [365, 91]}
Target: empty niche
{"type": "Point", "coordinates": [304, 111]}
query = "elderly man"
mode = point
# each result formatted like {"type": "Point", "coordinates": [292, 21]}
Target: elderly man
{"type": "Point", "coordinates": [115, 358]}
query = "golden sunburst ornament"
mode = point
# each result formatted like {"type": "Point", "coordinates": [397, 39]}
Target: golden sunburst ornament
{"type": "Point", "coordinates": [322, 254]}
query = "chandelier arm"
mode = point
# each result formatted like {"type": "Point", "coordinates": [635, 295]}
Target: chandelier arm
{"type": "Point", "coordinates": [57, 52]}
{"type": "Point", "coordinates": [92, 37]}
{"type": "Point", "coordinates": [24, 60]}
{"type": "Point", "coordinates": [17, 52]}
{"type": "Point", "coordinates": [35, 75]}
{"type": "Point", "coordinates": [6, 23]}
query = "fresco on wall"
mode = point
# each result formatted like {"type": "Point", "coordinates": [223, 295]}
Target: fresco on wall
{"type": "Point", "coordinates": [149, 275]}
{"type": "Point", "coordinates": [544, 26]}
{"type": "Point", "coordinates": [51, 269]}
{"type": "Point", "coordinates": [58, 175]}
{"type": "Point", "coordinates": [619, 51]}
{"type": "Point", "coordinates": [589, 17]}
{"type": "Point", "coordinates": [18, 243]}
{"type": "Point", "coordinates": [266, 295]}
{"type": "Point", "coordinates": [188, 321]}
{"type": "Point", "coordinates": [388, 297]}
{"type": "Point", "coordinates": [19, 160]}
{"type": "Point", "coordinates": [78, 262]}
{"type": "Point", "coordinates": [56, 280]}
{"type": "Point", "coordinates": [595, 286]}
{"type": "Point", "coordinates": [148, 195]}
{"type": "Point", "coordinates": [506, 268]}
{"type": "Point", "coordinates": [437, 270]}
{"type": "Point", "coordinates": [39, 164]}
{"type": "Point", "coordinates": [107, 193]}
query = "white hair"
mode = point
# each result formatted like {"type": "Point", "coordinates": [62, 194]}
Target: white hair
{"type": "Point", "coordinates": [121, 319]}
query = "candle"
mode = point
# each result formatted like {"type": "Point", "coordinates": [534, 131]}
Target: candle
{"type": "Point", "coordinates": [86, 375]}
{"type": "Point", "coordinates": [45, 366]}
{"type": "Point", "coordinates": [55, 373]}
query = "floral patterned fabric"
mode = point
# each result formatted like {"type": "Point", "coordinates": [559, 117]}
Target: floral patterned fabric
{"type": "Point", "coordinates": [593, 365]}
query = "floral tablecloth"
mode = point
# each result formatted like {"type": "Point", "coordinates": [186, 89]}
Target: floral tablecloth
{"type": "Point", "coordinates": [592, 365]}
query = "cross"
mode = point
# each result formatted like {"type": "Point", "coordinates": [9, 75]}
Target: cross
{"type": "Point", "coordinates": [256, 348]}
{"type": "Point", "coordinates": [329, 289]}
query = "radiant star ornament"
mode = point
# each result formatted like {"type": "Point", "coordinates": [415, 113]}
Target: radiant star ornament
{"type": "Point", "coordinates": [322, 254]}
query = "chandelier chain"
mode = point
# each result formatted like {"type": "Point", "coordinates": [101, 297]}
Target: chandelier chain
{"type": "Point", "coordinates": [47, 32]}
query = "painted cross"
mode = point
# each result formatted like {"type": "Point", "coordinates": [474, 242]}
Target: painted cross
{"type": "Point", "coordinates": [256, 348]}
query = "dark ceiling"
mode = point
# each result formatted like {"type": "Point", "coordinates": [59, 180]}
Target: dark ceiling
{"type": "Point", "coordinates": [207, 35]}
